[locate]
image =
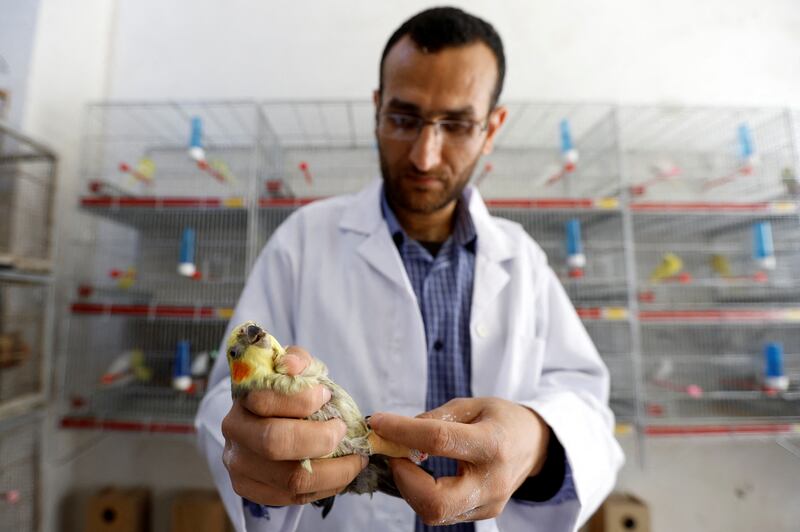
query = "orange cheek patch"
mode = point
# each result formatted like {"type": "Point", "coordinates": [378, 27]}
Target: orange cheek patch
{"type": "Point", "coordinates": [240, 371]}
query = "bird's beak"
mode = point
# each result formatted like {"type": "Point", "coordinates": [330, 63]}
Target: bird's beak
{"type": "Point", "coordinates": [255, 333]}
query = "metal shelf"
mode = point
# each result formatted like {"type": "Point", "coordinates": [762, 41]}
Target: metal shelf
{"type": "Point", "coordinates": [712, 207]}
{"type": "Point", "coordinates": [730, 429]}
{"type": "Point", "coordinates": [92, 423]}
{"type": "Point", "coordinates": [720, 316]}
{"type": "Point", "coordinates": [138, 407]}
{"type": "Point", "coordinates": [153, 311]}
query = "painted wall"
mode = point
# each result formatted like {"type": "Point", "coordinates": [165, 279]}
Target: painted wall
{"type": "Point", "coordinates": [17, 30]}
{"type": "Point", "coordinates": [678, 51]}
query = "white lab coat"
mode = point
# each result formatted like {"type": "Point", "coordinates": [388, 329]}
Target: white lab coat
{"type": "Point", "coordinates": [331, 279]}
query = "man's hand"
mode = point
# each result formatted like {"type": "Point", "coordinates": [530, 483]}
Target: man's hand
{"type": "Point", "coordinates": [498, 444]}
{"type": "Point", "coordinates": [265, 437]}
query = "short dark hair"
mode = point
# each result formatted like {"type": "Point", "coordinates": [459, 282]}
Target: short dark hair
{"type": "Point", "coordinates": [445, 27]}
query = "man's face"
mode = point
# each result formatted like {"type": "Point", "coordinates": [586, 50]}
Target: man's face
{"type": "Point", "coordinates": [428, 171]}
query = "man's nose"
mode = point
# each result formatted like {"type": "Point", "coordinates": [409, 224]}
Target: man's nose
{"type": "Point", "coordinates": [426, 153]}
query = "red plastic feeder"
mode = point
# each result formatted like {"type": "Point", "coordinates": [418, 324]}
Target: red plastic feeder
{"type": "Point", "coordinates": [576, 273]}
{"type": "Point", "coordinates": [85, 291]}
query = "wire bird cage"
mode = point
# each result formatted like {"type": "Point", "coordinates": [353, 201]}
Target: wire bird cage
{"type": "Point", "coordinates": [19, 475]}
{"type": "Point", "coordinates": [706, 154]}
{"type": "Point", "coordinates": [660, 223]}
{"type": "Point", "coordinates": [27, 181]}
{"type": "Point", "coordinates": [552, 151]}
{"type": "Point", "coordinates": [160, 257]}
{"type": "Point", "coordinates": [716, 235]}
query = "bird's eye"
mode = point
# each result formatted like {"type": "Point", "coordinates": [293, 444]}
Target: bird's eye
{"type": "Point", "coordinates": [232, 353]}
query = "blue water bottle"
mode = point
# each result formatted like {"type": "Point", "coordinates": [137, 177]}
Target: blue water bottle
{"type": "Point", "coordinates": [774, 377]}
{"type": "Point", "coordinates": [196, 150]}
{"type": "Point", "coordinates": [575, 256]}
{"type": "Point", "coordinates": [568, 151]}
{"type": "Point", "coordinates": [186, 264]}
{"type": "Point", "coordinates": [182, 367]}
{"type": "Point", "coordinates": [763, 248]}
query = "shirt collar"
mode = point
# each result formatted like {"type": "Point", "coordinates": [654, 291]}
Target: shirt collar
{"type": "Point", "coordinates": [464, 233]}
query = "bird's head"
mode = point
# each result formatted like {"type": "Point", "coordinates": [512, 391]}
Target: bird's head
{"type": "Point", "coordinates": [251, 351]}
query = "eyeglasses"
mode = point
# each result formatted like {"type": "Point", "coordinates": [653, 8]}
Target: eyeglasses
{"type": "Point", "coordinates": [406, 127]}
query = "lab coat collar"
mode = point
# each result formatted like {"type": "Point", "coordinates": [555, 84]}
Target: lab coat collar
{"type": "Point", "coordinates": [365, 217]}
{"type": "Point", "coordinates": [493, 244]}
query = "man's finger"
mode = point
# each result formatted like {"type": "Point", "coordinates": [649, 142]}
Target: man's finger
{"type": "Point", "coordinates": [282, 439]}
{"type": "Point", "coordinates": [267, 403]}
{"type": "Point", "coordinates": [328, 473]}
{"type": "Point", "coordinates": [257, 492]}
{"type": "Point", "coordinates": [487, 511]}
{"type": "Point", "coordinates": [296, 360]}
{"type": "Point", "coordinates": [466, 442]}
{"type": "Point", "coordinates": [459, 410]}
{"type": "Point", "coordinates": [438, 501]}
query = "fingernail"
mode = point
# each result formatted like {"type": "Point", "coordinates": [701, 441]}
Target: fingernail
{"type": "Point", "coordinates": [326, 394]}
{"type": "Point", "coordinates": [374, 420]}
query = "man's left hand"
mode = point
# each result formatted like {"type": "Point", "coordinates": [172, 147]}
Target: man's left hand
{"type": "Point", "coordinates": [498, 444]}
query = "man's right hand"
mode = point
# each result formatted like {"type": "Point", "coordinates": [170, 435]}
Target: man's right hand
{"type": "Point", "coordinates": [266, 437]}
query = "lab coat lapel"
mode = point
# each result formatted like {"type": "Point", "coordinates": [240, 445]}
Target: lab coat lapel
{"type": "Point", "coordinates": [378, 248]}
{"type": "Point", "coordinates": [492, 250]}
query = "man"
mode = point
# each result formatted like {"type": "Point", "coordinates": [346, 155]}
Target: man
{"type": "Point", "coordinates": [419, 301]}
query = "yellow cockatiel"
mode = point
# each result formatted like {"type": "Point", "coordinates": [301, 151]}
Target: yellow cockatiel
{"type": "Point", "coordinates": [256, 362]}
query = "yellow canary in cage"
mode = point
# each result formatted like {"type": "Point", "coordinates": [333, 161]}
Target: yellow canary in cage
{"type": "Point", "coordinates": [146, 168]}
{"type": "Point", "coordinates": [670, 266]}
{"type": "Point", "coordinates": [255, 359]}
{"type": "Point", "coordinates": [222, 170]}
{"type": "Point", "coordinates": [127, 279]}
{"type": "Point", "coordinates": [721, 265]}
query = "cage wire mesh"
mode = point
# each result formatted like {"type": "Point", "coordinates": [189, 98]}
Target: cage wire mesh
{"type": "Point", "coordinates": [715, 372]}
{"type": "Point", "coordinates": [321, 148]}
{"type": "Point", "coordinates": [613, 342]}
{"type": "Point", "coordinates": [19, 475]}
{"type": "Point", "coordinates": [22, 335]}
{"type": "Point", "coordinates": [705, 154]}
{"type": "Point", "coordinates": [126, 373]}
{"type": "Point", "coordinates": [707, 260]}
{"type": "Point", "coordinates": [27, 180]}
{"type": "Point", "coordinates": [552, 151]}
{"type": "Point", "coordinates": [563, 171]}
{"type": "Point", "coordinates": [184, 149]}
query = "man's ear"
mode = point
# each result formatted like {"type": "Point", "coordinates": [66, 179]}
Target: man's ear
{"type": "Point", "coordinates": [496, 119]}
{"type": "Point", "coordinates": [376, 99]}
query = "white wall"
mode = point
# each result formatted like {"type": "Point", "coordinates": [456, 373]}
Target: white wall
{"type": "Point", "coordinates": [682, 51]}
{"type": "Point", "coordinates": [68, 68]}
{"type": "Point", "coordinates": [17, 28]}
{"type": "Point", "coordinates": [714, 51]}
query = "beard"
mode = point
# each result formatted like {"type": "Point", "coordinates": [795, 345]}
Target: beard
{"type": "Point", "coordinates": [402, 192]}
